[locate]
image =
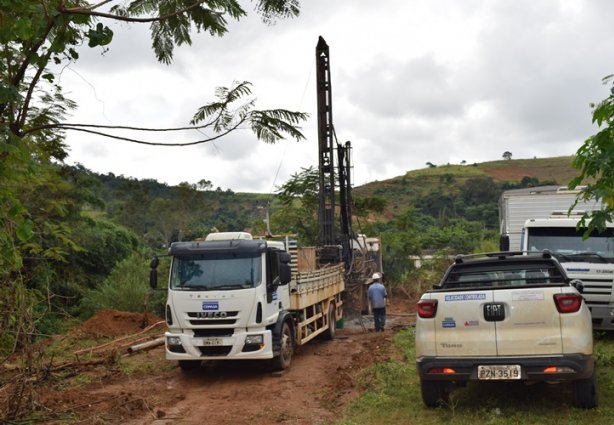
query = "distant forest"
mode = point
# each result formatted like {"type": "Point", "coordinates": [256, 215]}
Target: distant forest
{"type": "Point", "coordinates": [87, 238]}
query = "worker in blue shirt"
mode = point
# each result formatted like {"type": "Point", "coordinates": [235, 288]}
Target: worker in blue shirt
{"type": "Point", "coordinates": [378, 297]}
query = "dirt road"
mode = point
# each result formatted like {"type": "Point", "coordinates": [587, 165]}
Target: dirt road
{"type": "Point", "coordinates": [323, 378]}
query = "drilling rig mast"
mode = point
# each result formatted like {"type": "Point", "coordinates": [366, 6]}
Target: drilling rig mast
{"type": "Point", "coordinates": [361, 255]}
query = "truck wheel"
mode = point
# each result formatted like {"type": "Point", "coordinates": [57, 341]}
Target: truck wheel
{"type": "Point", "coordinates": [283, 360]}
{"type": "Point", "coordinates": [435, 393]}
{"type": "Point", "coordinates": [585, 392]}
{"type": "Point", "coordinates": [332, 323]}
{"type": "Point", "coordinates": [189, 365]}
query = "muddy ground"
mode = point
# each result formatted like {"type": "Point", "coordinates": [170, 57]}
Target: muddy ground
{"type": "Point", "coordinates": [144, 388]}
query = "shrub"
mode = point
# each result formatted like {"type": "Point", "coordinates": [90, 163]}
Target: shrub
{"type": "Point", "coordinates": [126, 289]}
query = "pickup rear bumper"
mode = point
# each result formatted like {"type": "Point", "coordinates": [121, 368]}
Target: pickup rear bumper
{"type": "Point", "coordinates": [459, 369]}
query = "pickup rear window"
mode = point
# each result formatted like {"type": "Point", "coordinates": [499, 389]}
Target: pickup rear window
{"type": "Point", "coordinates": [502, 274]}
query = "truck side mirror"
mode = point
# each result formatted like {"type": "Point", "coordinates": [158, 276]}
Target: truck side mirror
{"type": "Point", "coordinates": [153, 273]}
{"type": "Point", "coordinates": [504, 243]}
{"type": "Point", "coordinates": [285, 272]}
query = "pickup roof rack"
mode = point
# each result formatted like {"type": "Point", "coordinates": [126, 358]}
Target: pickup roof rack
{"type": "Point", "coordinates": [460, 258]}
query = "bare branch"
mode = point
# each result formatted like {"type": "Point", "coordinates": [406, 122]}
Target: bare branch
{"type": "Point", "coordinates": [21, 118]}
{"type": "Point", "coordinates": [113, 127]}
{"type": "Point", "coordinates": [142, 142]}
{"type": "Point", "coordinates": [89, 12]}
{"type": "Point", "coordinates": [21, 72]}
{"type": "Point", "coordinates": [95, 6]}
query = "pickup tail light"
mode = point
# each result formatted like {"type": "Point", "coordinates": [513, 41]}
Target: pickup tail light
{"type": "Point", "coordinates": [568, 303]}
{"type": "Point", "coordinates": [427, 309]}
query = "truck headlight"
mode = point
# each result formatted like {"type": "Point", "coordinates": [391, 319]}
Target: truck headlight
{"type": "Point", "coordinates": [173, 340]}
{"type": "Point", "coordinates": [254, 339]}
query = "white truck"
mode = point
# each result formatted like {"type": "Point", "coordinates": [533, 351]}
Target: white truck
{"type": "Point", "coordinates": [231, 297]}
{"type": "Point", "coordinates": [535, 219]}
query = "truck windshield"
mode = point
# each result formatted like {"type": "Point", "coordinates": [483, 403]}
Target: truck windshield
{"type": "Point", "coordinates": [215, 271]}
{"type": "Point", "coordinates": [568, 242]}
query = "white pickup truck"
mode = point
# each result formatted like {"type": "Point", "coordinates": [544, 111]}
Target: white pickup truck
{"type": "Point", "coordinates": [505, 317]}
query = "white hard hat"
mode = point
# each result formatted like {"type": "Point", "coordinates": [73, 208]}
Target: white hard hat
{"type": "Point", "coordinates": [377, 275]}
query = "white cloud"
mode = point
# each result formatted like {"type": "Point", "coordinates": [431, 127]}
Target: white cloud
{"type": "Point", "coordinates": [412, 82]}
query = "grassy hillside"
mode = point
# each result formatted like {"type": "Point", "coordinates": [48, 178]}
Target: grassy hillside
{"type": "Point", "coordinates": [165, 213]}
{"type": "Point", "coordinates": [402, 191]}
{"type": "Point", "coordinates": [558, 169]}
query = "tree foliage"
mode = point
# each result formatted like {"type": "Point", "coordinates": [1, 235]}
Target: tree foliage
{"type": "Point", "coordinates": [595, 160]}
{"type": "Point", "coordinates": [52, 243]}
{"type": "Point", "coordinates": [39, 36]}
{"type": "Point", "coordinates": [299, 200]}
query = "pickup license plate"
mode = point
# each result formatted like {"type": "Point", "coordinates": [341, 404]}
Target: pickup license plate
{"type": "Point", "coordinates": [499, 372]}
{"type": "Point", "coordinates": [212, 341]}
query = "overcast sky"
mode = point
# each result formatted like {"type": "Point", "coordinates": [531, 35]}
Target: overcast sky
{"type": "Point", "coordinates": [412, 82]}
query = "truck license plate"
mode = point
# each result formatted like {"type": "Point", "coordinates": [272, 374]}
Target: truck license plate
{"type": "Point", "coordinates": [212, 341]}
{"type": "Point", "coordinates": [499, 372]}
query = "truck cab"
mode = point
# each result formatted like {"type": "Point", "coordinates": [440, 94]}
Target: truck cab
{"type": "Point", "coordinates": [588, 259]}
{"type": "Point", "coordinates": [226, 297]}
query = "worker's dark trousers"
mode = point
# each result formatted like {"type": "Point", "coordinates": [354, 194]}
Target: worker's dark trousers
{"type": "Point", "coordinates": [379, 316]}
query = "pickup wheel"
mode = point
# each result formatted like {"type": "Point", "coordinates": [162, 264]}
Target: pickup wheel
{"type": "Point", "coordinates": [435, 393]}
{"type": "Point", "coordinates": [585, 392]}
{"type": "Point", "coordinates": [332, 323]}
{"type": "Point", "coordinates": [283, 360]}
{"type": "Point", "coordinates": [189, 365]}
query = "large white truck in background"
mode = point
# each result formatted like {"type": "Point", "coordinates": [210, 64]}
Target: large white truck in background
{"type": "Point", "coordinates": [231, 297]}
{"type": "Point", "coordinates": [537, 218]}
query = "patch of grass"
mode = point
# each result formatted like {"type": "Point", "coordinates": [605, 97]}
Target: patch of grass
{"type": "Point", "coordinates": [82, 379]}
{"type": "Point", "coordinates": [392, 396]}
{"type": "Point", "coordinates": [144, 363]}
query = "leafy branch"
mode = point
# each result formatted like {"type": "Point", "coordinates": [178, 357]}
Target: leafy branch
{"type": "Point", "coordinates": [269, 126]}
{"type": "Point", "coordinates": [35, 33]}
{"type": "Point", "coordinates": [595, 160]}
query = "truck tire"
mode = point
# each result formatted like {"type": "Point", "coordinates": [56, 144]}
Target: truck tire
{"type": "Point", "coordinates": [189, 365]}
{"type": "Point", "coordinates": [435, 393]}
{"type": "Point", "coordinates": [585, 392]}
{"type": "Point", "coordinates": [286, 344]}
{"type": "Point", "coordinates": [332, 324]}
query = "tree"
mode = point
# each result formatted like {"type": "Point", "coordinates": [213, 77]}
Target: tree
{"type": "Point", "coordinates": [595, 160]}
{"type": "Point", "coordinates": [479, 190]}
{"type": "Point", "coordinates": [37, 33]}
{"type": "Point", "coordinates": [38, 38]}
{"type": "Point", "coordinates": [299, 198]}
{"type": "Point", "coordinates": [507, 155]}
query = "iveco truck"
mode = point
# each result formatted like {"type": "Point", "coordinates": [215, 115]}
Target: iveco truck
{"type": "Point", "coordinates": [232, 297]}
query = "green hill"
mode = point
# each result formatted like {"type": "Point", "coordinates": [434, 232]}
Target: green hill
{"type": "Point", "coordinates": [162, 213]}
{"type": "Point", "coordinates": [450, 180]}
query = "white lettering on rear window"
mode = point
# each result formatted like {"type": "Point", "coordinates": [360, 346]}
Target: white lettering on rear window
{"type": "Point", "coordinates": [527, 296]}
{"type": "Point", "coordinates": [465, 297]}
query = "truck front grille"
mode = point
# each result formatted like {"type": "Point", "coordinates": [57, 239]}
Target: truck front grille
{"type": "Point", "coordinates": [208, 333]}
{"type": "Point", "coordinates": [217, 351]}
{"type": "Point", "coordinates": [209, 322]}
{"type": "Point", "coordinates": [208, 318]}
